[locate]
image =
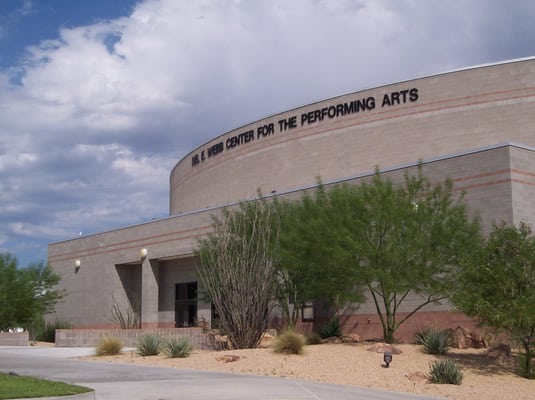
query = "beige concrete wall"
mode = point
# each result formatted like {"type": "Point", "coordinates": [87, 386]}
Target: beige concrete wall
{"type": "Point", "coordinates": [91, 291]}
{"type": "Point", "coordinates": [523, 185]}
{"type": "Point", "coordinates": [454, 112]}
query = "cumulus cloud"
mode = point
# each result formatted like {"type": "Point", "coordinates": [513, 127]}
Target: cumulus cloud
{"type": "Point", "coordinates": [94, 119]}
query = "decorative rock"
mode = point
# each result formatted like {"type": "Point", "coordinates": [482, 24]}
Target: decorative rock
{"type": "Point", "coordinates": [351, 338]}
{"type": "Point", "coordinates": [267, 340]}
{"type": "Point", "coordinates": [462, 338]}
{"type": "Point", "coordinates": [228, 358]}
{"type": "Point", "coordinates": [334, 339]}
{"type": "Point", "coordinates": [416, 377]}
{"type": "Point", "coordinates": [382, 347]}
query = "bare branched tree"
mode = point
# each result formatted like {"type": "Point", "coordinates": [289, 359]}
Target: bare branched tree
{"type": "Point", "coordinates": [235, 265]}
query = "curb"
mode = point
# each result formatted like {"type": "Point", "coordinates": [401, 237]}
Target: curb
{"type": "Point", "coordinates": [81, 396]}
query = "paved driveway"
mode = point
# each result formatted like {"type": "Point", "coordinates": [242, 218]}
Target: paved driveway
{"type": "Point", "coordinates": [132, 382]}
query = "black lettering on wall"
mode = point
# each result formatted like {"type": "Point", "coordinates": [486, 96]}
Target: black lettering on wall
{"type": "Point", "coordinates": [309, 117]}
{"type": "Point", "coordinates": [413, 94]}
{"type": "Point", "coordinates": [394, 98]}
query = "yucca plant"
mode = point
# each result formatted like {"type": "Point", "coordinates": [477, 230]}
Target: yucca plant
{"type": "Point", "coordinates": [149, 345]}
{"type": "Point", "coordinates": [434, 341]}
{"type": "Point", "coordinates": [445, 371]}
{"type": "Point", "coordinates": [331, 329]}
{"type": "Point", "coordinates": [178, 347]}
{"type": "Point", "coordinates": [423, 332]}
{"type": "Point", "coordinates": [109, 346]}
{"type": "Point", "coordinates": [289, 342]}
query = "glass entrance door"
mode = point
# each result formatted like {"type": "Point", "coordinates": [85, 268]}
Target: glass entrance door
{"type": "Point", "coordinates": [185, 304]}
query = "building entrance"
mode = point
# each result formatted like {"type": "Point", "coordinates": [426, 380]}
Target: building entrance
{"type": "Point", "coordinates": [185, 304]}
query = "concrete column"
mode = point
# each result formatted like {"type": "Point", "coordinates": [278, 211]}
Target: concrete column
{"type": "Point", "coordinates": [149, 293]}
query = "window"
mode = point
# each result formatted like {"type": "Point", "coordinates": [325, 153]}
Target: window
{"type": "Point", "coordinates": [307, 312]}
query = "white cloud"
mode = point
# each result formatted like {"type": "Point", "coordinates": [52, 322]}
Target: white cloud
{"type": "Point", "coordinates": [35, 231]}
{"type": "Point", "coordinates": [11, 160]}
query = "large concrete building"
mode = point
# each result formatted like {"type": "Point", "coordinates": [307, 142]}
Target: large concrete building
{"type": "Point", "coordinates": [475, 125]}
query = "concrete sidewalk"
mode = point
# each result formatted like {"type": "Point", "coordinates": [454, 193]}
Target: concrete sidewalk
{"type": "Point", "coordinates": [132, 382]}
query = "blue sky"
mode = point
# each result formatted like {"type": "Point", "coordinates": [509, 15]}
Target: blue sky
{"type": "Point", "coordinates": [99, 99]}
{"type": "Point", "coordinates": [25, 22]}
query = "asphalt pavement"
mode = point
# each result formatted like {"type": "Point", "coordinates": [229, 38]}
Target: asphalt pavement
{"type": "Point", "coordinates": [113, 381]}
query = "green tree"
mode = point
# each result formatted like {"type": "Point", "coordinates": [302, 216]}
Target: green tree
{"type": "Point", "coordinates": [26, 294]}
{"type": "Point", "coordinates": [497, 285]}
{"type": "Point", "coordinates": [312, 253]}
{"type": "Point", "coordinates": [398, 241]}
{"type": "Point", "coordinates": [236, 267]}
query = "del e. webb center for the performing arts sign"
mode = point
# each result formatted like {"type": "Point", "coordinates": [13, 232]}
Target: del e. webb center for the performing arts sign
{"type": "Point", "coordinates": [306, 118]}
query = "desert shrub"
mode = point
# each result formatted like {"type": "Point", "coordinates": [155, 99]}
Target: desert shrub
{"type": "Point", "coordinates": [527, 367]}
{"type": "Point", "coordinates": [149, 345]}
{"type": "Point", "coordinates": [312, 338]}
{"type": "Point", "coordinates": [331, 329]}
{"type": "Point", "coordinates": [178, 347]}
{"type": "Point", "coordinates": [434, 341]}
{"type": "Point", "coordinates": [109, 346]}
{"type": "Point", "coordinates": [48, 332]}
{"type": "Point", "coordinates": [289, 342]}
{"type": "Point", "coordinates": [445, 371]}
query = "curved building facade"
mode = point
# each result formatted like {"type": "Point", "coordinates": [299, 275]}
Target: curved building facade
{"type": "Point", "coordinates": [340, 137]}
{"type": "Point", "coordinates": [475, 125]}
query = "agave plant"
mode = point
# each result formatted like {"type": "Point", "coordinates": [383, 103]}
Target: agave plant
{"type": "Point", "coordinates": [445, 371]}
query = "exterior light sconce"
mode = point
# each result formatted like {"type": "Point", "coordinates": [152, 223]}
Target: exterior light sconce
{"type": "Point", "coordinates": [387, 358]}
{"type": "Point", "coordinates": [77, 264]}
{"type": "Point", "coordinates": [143, 252]}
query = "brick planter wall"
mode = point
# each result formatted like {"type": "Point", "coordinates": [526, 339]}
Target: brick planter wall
{"type": "Point", "coordinates": [14, 339]}
{"type": "Point", "coordinates": [129, 337]}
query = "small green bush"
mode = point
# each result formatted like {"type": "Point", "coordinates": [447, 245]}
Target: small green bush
{"type": "Point", "coordinates": [289, 342]}
{"type": "Point", "coordinates": [331, 329]}
{"type": "Point", "coordinates": [312, 338]}
{"type": "Point", "coordinates": [178, 347]}
{"type": "Point", "coordinates": [109, 346]}
{"type": "Point", "coordinates": [434, 341]}
{"type": "Point", "coordinates": [48, 332]}
{"type": "Point", "coordinates": [446, 371]}
{"type": "Point", "coordinates": [149, 345]}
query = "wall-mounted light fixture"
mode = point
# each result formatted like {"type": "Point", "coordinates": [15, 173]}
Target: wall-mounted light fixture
{"type": "Point", "coordinates": [77, 264]}
{"type": "Point", "coordinates": [143, 252]}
